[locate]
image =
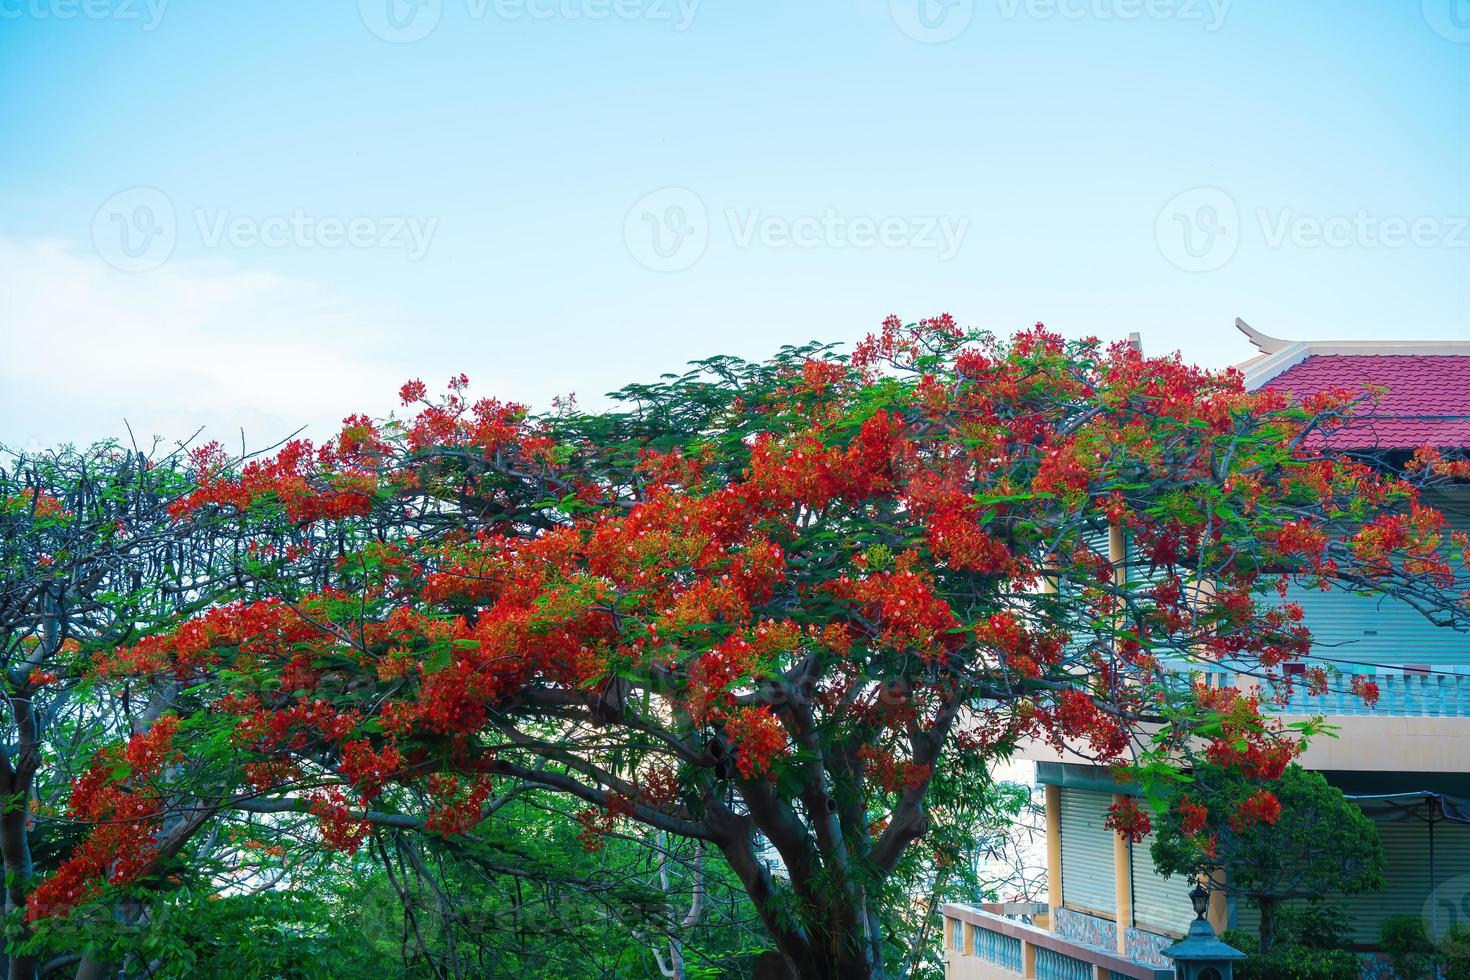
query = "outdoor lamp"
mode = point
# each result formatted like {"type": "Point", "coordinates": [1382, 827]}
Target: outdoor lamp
{"type": "Point", "coordinates": [1199, 897]}
{"type": "Point", "coordinates": [1201, 955]}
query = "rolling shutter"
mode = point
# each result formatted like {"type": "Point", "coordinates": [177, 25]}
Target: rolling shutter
{"type": "Point", "coordinates": [1360, 632]}
{"type": "Point", "coordinates": [1087, 851]}
{"type": "Point", "coordinates": [1368, 630]}
{"type": "Point", "coordinates": [1159, 904]}
{"type": "Point", "coordinates": [1408, 892]}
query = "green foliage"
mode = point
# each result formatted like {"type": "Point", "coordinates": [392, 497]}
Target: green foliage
{"type": "Point", "coordinates": [1322, 843]}
{"type": "Point", "coordinates": [287, 935]}
{"type": "Point", "coordinates": [1410, 950]}
{"type": "Point", "coordinates": [1311, 944]}
{"type": "Point", "coordinates": [1314, 925]}
{"type": "Point", "coordinates": [1291, 962]}
{"type": "Point", "coordinates": [522, 899]}
{"type": "Point", "coordinates": [1454, 951]}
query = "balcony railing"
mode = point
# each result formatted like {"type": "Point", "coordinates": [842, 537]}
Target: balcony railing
{"type": "Point", "coordinates": [1426, 696]}
{"type": "Point", "coordinates": [995, 942]}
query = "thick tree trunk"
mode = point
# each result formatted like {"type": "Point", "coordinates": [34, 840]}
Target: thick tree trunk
{"type": "Point", "coordinates": [1268, 922]}
{"type": "Point", "coordinates": [17, 773]}
{"type": "Point", "coordinates": [91, 969]}
{"type": "Point", "coordinates": [827, 926]}
{"type": "Point", "coordinates": [835, 947]}
{"type": "Point", "coordinates": [16, 847]}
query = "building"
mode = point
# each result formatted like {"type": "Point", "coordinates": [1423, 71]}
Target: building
{"type": "Point", "coordinates": [1405, 761]}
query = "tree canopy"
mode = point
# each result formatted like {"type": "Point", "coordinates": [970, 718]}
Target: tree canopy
{"type": "Point", "coordinates": [1295, 837]}
{"type": "Point", "coordinates": [787, 612]}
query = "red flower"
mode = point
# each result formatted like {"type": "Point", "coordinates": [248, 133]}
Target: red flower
{"type": "Point", "coordinates": [758, 738]}
{"type": "Point", "coordinates": [1263, 807]}
{"type": "Point", "coordinates": [1192, 817]}
{"type": "Point", "coordinates": [1128, 821]}
{"type": "Point", "coordinates": [413, 391]}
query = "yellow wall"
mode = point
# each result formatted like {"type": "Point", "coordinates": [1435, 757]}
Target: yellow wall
{"type": "Point", "coordinates": [1364, 743]}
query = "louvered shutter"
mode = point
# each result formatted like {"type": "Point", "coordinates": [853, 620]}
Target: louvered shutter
{"type": "Point", "coordinates": [1357, 632]}
{"type": "Point", "coordinates": [1409, 892]}
{"type": "Point", "coordinates": [1087, 851]}
{"type": "Point", "coordinates": [1406, 845]}
{"type": "Point", "coordinates": [1159, 904]}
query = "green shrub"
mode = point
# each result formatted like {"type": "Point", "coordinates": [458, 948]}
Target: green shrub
{"type": "Point", "coordinates": [1454, 952]}
{"type": "Point", "coordinates": [1311, 944]}
{"type": "Point", "coordinates": [1410, 951]}
{"type": "Point", "coordinates": [1244, 941]}
{"type": "Point", "coordinates": [1292, 962]}
{"type": "Point", "coordinates": [1316, 926]}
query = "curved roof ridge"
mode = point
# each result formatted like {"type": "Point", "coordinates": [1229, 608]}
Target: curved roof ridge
{"type": "Point", "coordinates": [1279, 355]}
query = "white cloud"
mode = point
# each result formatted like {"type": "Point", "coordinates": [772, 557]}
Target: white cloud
{"type": "Point", "coordinates": [84, 346]}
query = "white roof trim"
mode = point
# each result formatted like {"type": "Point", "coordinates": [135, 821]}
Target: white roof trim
{"type": "Point", "coordinates": [1264, 344]}
{"type": "Point", "coordinates": [1283, 354]}
{"type": "Point", "coordinates": [1289, 356]}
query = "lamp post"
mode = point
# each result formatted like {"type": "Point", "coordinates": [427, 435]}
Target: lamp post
{"type": "Point", "coordinates": [1201, 955]}
{"type": "Point", "coordinates": [1199, 898]}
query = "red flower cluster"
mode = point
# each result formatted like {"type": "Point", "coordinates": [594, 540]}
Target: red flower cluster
{"type": "Point", "coordinates": [758, 740]}
{"type": "Point", "coordinates": [1365, 688]}
{"type": "Point", "coordinates": [309, 485]}
{"type": "Point", "coordinates": [340, 830]}
{"type": "Point", "coordinates": [457, 810]}
{"type": "Point", "coordinates": [1128, 821]}
{"type": "Point", "coordinates": [1193, 817]}
{"type": "Point", "coordinates": [1262, 807]}
{"type": "Point", "coordinates": [1247, 741]}
{"type": "Point", "coordinates": [121, 794]}
{"type": "Point", "coordinates": [1078, 716]}
{"type": "Point", "coordinates": [38, 503]}
{"type": "Point", "coordinates": [368, 769]}
{"type": "Point", "coordinates": [905, 609]}
{"type": "Point", "coordinates": [598, 822]}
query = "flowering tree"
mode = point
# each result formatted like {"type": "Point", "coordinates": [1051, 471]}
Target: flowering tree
{"type": "Point", "coordinates": [87, 556]}
{"type": "Point", "coordinates": [90, 558]}
{"type": "Point", "coordinates": [1293, 837]}
{"type": "Point", "coordinates": [779, 608]}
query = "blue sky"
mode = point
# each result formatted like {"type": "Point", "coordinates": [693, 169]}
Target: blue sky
{"type": "Point", "coordinates": [269, 214]}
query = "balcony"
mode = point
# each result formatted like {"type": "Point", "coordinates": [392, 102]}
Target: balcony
{"type": "Point", "coordinates": [1399, 695]}
{"type": "Point", "coordinates": [995, 941]}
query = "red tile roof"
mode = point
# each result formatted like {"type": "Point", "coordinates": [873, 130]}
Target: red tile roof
{"type": "Point", "coordinates": [1428, 400]}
